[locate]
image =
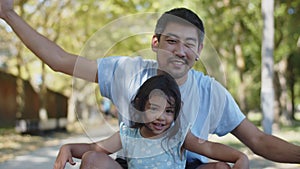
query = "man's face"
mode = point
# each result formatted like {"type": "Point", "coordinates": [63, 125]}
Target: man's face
{"type": "Point", "coordinates": [177, 50]}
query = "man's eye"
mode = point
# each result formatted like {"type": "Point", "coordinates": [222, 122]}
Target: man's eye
{"type": "Point", "coordinates": [171, 41]}
{"type": "Point", "coordinates": [190, 45]}
{"type": "Point", "coordinates": [154, 109]}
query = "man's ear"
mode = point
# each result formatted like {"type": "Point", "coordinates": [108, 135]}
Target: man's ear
{"type": "Point", "coordinates": [154, 43]}
{"type": "Point", "coordinates": [200, 48]}
{"type": "Point", "coordinates": [199, 51]}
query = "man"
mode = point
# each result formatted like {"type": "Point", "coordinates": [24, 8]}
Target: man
{"type": "Point", "coordinates": [177, 42]}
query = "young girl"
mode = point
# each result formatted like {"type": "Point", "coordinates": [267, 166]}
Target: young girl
{"type": "Point", "coordinates": [156, 138]}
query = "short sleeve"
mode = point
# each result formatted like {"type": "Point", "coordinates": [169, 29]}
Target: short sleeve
{"type": "Point", "coordinates": [106, 72]}
{"type": "Point", "coordinates": [120, 77]}
{"type": "Point", "coordinates": [226, 113]}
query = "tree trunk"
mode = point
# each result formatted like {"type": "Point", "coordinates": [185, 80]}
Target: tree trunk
{"type": "Point", "coordinates": [240, 62]}
{"type": "Point", "coordinates": [292, 79]}
{"type": "Point", "coordinates": [267, 89]}
{"type": "Point", "coordinates": [277, 92]}
{"type": "Point", "coordinates": [43, 114]}
{"type": "Point", "coordinates": [286, 111]}
{"type": "Point", "coordinates": [242, 86]}
{"type": "Point", "coordinates": [20, 96]}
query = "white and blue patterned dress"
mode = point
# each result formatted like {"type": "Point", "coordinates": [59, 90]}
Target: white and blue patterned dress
{"type": "Point", "coordinates": [144, 153]}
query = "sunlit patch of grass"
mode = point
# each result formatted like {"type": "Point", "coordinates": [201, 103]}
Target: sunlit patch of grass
{"type": "Point", "coordinates": [297, 116]}
{"type": "Point", "coordinates": [294, 127]}
{"type": "Point", "coordinates": [255, 118]}
{"type": "Point", "coordinates": [12, 143]}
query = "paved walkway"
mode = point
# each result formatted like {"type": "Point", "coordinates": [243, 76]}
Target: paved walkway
{"type": "Point", "coordinates": [44, 158]}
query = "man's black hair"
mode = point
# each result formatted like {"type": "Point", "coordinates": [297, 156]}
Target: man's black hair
{"type": "Point", "coordinates": [182, 16]}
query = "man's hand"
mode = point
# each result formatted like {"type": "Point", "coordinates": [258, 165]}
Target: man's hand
{"type": "Point", "coordinates": [5, 7]}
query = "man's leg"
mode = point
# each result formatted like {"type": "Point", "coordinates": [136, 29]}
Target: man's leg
{"type": "Point", "coordinates": [98, 160]}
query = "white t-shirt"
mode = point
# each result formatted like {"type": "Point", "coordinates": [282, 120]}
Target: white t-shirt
{"type": "Point", "coordinates": [207, 106]}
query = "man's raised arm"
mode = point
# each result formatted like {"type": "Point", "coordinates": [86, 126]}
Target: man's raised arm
{"type": "Point", "coordinates": [49, 52]}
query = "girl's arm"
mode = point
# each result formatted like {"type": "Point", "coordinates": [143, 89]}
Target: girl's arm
{"type": "Point", "coordinates": [216, 151]}
{"type": "Point", "coordinates": [67, 151]}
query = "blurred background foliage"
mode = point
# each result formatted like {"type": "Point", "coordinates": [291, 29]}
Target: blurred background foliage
{"type": "Point", "coordinates": [233, 34]}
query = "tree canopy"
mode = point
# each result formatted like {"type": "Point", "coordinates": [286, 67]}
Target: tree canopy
{"type": "Point", "coordinates": [125, 27]}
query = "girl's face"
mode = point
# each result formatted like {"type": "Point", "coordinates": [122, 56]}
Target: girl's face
{"type": "Point", "coordinates": [159, 116]}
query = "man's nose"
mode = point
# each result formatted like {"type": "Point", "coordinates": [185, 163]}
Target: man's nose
{"type": "Point", "coordinates": [180, 50]}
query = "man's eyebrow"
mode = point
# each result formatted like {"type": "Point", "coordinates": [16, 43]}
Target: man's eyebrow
{"type": "Point", "coordinates": [172, 34]}
{"type": "Point", "coordinates": [191, 39]}
{"type": "Point", "coordinates": [176, 36]}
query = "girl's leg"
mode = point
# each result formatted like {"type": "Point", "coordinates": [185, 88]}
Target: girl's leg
{"type": "Point", "coordinates": [98, 160]}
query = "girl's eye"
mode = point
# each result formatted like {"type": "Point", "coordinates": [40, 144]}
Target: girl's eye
{"type": "Point", "coordinates": [171, 111]}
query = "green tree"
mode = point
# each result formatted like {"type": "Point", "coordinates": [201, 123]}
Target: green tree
{"type": "Point", "coordinates": [233, 28]}
{"type": "Point", "coordinates": [287, 50]}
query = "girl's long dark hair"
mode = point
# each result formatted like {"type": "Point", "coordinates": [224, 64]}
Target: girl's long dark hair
{"type": "Point", "coordinates": [167, 84]}
{"type": "Point", "coordinates": [163, 82]}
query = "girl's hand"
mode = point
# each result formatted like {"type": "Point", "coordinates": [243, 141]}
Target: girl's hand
{"type": "Point", "coordinates": [63, 157]}
{"type": "Point", "coordinates": [242, 163]}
